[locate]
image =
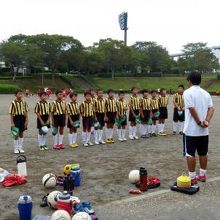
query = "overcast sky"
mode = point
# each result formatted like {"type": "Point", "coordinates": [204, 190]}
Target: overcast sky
{"type": "Point", "coordinates": [171, 23]}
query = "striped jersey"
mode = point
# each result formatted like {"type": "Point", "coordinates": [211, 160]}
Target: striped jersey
{"type": "Point", "coordinates": [42, 108]}
{"type": "Point", "coordinates": [122, 107]}
{"type": "Point", "coordinates": [145, 103]}
{"type": "Point", "coordinates": [99, 105]}
{"type": "Point", "coordinates": [163, 101]}
{"type": "Point", "coordinates": [154, 104]}
{"type": "Point", "coordinates": [18, 108]}
{"type": "Point", "coordinates": [72, 108]}
{"type": "Point", "coordinates": [86, 109]}
{"type": "Point", "coordinates": [178, 99]}
{"type": "Point", "coordinates": [58, 107]}
{"type": "Point", "coordinates": [134, 102]}
{"type": "Point", "coordinates": [110, 105]}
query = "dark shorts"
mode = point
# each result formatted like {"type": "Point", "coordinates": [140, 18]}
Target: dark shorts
{"type": "Point", "coordinates": [177, 117]}
{"type": "Point", "coordinates": [19, 121]}
{"type": "Point", "coordinates": [100, 117]}
{"type": "Point", "coordinates": [87, 122]}
{"type": "Point", "coordinates": [147, 115]}
{"type": "Point", "coordinates": [111, 117]}
{"type": "Point", "coordinates": [199, 144]}
{"type": "Point", "coordinates": [74, 118]}
{"type": "Point", "coordinates": [163, 113]}
{"type": "Point", "coordinates": [131, 116]}
{"type": "Point", "coordinates": [59, 121]}
{"type": "Point", "coordinates": [155, 118]}
{"type": "Point", "coordinates": [45, 119]}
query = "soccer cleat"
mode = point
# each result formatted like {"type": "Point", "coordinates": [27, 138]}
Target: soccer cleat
{"type": "Point", "coordinates": [61, 146]}
{"type": "Point", "coordinates": [108, 141]}
{"type": "Point", "coordinates": [143, 136]}
{"type": "Point", "coordinates": [201, 178]}
{"type": "Point", "coordinates": [154, 135]}
{"type": "Point", "coordinates": [101, 142]}
{"type": "Point", "coordinates": [174, 132]}
{"type": "Point", "coordinates": [85, 145]}
{"type": "Point", "coordinates": [21, 151]}
{"type": "Point", "coordinates": [112, 141]}
{"type": "Point", "coordinates": [41, 148]}
{"type": "Point", "coordinates": [44, 201]}
{"type": "Point", "coordinates": [124, 139]}
{"type": "Point", "coordinates": [45, 147]}
{"type": "Point", "coordinates": [16, 151]}
{"type": "Point", "coordinates": [97, 143]}
{"type": "Point", "coordinates": [136, 137]}
{"type": "Point", "coordinates": [56, 147]}
{"type": "Point", "coordinates": [90, 144]}
{"type": "Point", "coordinates": [164, 134]}
{"type": "Point", "coordinates": [131, 137]}
{"type": "Point", "coordinates": [180, 133]}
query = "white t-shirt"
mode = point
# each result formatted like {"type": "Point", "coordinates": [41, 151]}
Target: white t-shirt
{"type": "Point", "coordinates": [198, 98]}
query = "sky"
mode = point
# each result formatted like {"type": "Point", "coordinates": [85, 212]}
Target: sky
{"type": "Point", "coordinates": [170, 23]}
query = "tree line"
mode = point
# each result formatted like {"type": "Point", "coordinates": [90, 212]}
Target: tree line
{"type": "Point", "coordinates": [61, 53]}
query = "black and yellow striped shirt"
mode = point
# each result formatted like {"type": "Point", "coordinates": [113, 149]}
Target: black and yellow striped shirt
{"type": "Point", "coordinates": [122, 107]}
{"type": "Point", "coordinates": [134, 102]}
{"type": "Point", "coordinates": [58, 107]}
{"type": "Point", "coordinates": [145, 103]}
{"type": "Point", "coordinates": [110, 105]}
{"type": "Point", "coordinates": [18, 108]}
{"type": "Point", "coordinates": [178, 99]}
{"type": "Point", "coordinates": [86, 109]}
{"type": "Point", "coordinates": [72, 108]}
{"type": "Point", "coordinates": [163, 101]}
{"type": "Point", "coordinates": [154, 104]}
{"type": "Point", "coordinates": [99, 105]}
{"type": "Point", "coordinates": [42, 108]}
{"type": "Point", "coordinates": [93, 99]}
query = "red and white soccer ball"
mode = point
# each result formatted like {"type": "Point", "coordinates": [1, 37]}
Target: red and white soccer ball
{"type": "Point", "coordinates": [52, 199]}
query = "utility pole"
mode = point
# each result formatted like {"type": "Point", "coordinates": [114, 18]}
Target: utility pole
{"type": "Point", "coordinates": [123, 22]}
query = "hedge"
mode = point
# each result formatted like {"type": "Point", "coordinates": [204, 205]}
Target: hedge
{"type": "Point", "coordinates": [7, 88]}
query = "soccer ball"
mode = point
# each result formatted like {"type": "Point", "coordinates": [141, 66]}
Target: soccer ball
{"type": "Point", "coordinates": [49, 180]}
{"type": "Point", "coordinates": [67, 169]}
{"type": "Point", "coordinates": [60, 215]}
{"type": "Point", "coordinates": [81, 216]}
{"type": "Point", "coordinates": [52, 199]}
{"type": "Point", "coordinates": [134, 176]}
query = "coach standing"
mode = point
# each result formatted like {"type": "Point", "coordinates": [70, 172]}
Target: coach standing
{"type": "Point", "coordinates": [198, 113]}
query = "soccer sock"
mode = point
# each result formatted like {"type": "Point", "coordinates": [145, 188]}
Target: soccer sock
{"type": "Point", "coordinates": [163, 128]}
{"type": "Point", "coordinates": [107, 133]}
{"type": "Point", "coordinates": [192, 175]}
{"type": "Point", "coordinates": [15, 144]}
{"type": "Point", "coordinates": [119, 134]}
{"type": "Point", "coordinates": [123, 133]}
{"type": "Point", "coordinates": [130, 131]}
{"type": "Point", "coordinates": [39, 140]}
{"type": "Point", "coordinates": [96, 135]}
{"type": "Point", "coordinates": [175, 126]}
{"type": "Point", "coordinates": [70, 138]}
{"type": "Point", "coordinates": [202, 172]}
{"type": "Point", "coordinates": [134, 130]}
{"type": "Point", "coordinates": [55, 139]}
{"type": "Point", "coordinates": [181, 125]}
{"type": "Point", "coordinates": [88, 136]}
{"type": "Point", "coordinates": [60, 138]}
{"type": "Point", "coordinates": [20, 143]}
{"type": "Point", "coordinates": [148, 129]}
{"type": "Point", "coordinates": [100, 135]}
{"type": "Point", "coordinates": [74, 138]}
{"type": "Point", "coordinates": [44, 140]}
{"type": "Point", "coordinates": [111, 133]}
{"type": "Point", "coordinates": [159, 128]}
{"type": "Point", "coordinates": [142, 129]}
{"type": "Point", "coordinates": [84, 137]}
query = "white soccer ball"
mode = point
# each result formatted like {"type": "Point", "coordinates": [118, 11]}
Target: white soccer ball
{"type": "Point", "coordinates": [45, 129]}
{"type": "Point", "coordinates": [49, 180]}
{"type": "Point", "coordinates": [52, 199]}
{"type": "Point", "coordinates": [60, 215]}
{"type": "Point", "coordinates": [134, 176]}
{"type": "Point", "coordinates": [81, 216]}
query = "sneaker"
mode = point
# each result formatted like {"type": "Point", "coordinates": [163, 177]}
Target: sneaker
{"type": "Point", "coordinates": [124, 139]}
{"type": "Point", "coordinates": [97, 143]}
{"type": "Point", "coordinates": [131, 137]}
{"type": "Point", "coordinates": [112, 141]}
{"type": "Point", "coordinates": [74, 145]}
{"type": "Point", "coordinates": [164, 134]}
{"type": "Point", "coordinates": [201, 178]}
{"type": "Point", "coordinates": [194, 181]}
{"type": "Point", "coordinates": [56, 147]}
{"type": "Point", "coordinates": [41, 148]}
{"type": "Point", "coordinates": [86, 145]}
{"type": "Point", "coordinates": [45, 147]}
{"type": "Point", "coordinates": [44, 201]}
{"type": "Point", "coordinates": [154, 135]}
{"type": "Point", "coordinates": [143, 136]}
{"type": "Point", "coordinates": [90, 144]}
{"type": "Point", "coordinates": [120, 139]}
{"type": "Point", "coordinates": [180, 133]}
{"type": "Point", "coordinates": [16, 151]}
{"type": "Point", "coordinates": [136, 137]}
{"type": "Point", "coordinates": [88, 208]}
{"type": "Point", "coordinates": [101, 142]}
{"type": "Point", "coordinates": [61, 146]}
{"type": "Point", "coordinates": [78, 208]}
{"type": "Point", "coordinates": [108, 141]}
{"type": "Point", "coordinates": [21, 151]}
{"type": "Point", "coordinates": [174, 132]}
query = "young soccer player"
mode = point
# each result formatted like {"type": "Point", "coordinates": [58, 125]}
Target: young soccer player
{"type": "Point", "coordinates": [58, 118]}
{"type": "Point", "coordinates": [155, 111]}
{"type": "Point", "coordinates": [42, 110]}
{"type": "Point", "coordinates": [73, 119]}
{"type": "Point", "coordinates": [99, 108]}
{"type": "Point", "coordinates": [110, 115]}
{"type": "Point", "coordinates": [86, 110]}
{"type": "Point", "coordinates": [163, 102]}
{"type": "Point", "coordinates": [178, 114]}
{"type": "Point", "coordinates": [18, 111]}
{"type": "Point", "coordinates": [134, 112]}
{"type": "Point", "coordinates": [145, 112]}
{"type": "Point", "coordinates": [122, 108]}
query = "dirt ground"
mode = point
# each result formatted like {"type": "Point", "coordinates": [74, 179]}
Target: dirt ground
{"type": "Point", "coordinates": [104, 168]}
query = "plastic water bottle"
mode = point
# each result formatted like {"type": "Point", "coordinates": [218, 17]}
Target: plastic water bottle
{"type": "Point", "coordinates": [22, 165]}
{"type": "Point", "coordinates": [25, 207]}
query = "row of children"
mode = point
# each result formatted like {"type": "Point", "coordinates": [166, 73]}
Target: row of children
{"type": "Point", "coordinates": [98, 112]}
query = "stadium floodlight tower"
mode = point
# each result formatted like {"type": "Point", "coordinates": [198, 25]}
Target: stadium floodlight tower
{"type": "Point", "coordinates": [123, 22]}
